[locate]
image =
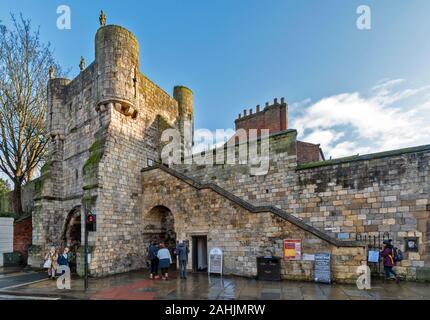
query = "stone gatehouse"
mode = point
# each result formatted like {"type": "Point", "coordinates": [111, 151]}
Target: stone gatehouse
{"type": "Point", "coordinates": [105, 153]}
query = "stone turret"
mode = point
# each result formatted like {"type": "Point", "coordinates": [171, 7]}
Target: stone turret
{"type": "Point", "coordinates": [117, 68]}
{"type": "Point", "coordinates": [55, 121]}
{"type": "Point", "coordinates": [184, 97]}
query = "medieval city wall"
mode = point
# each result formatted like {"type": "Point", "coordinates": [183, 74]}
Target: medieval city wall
{"type": "Point", "coordinates": [372, 195]}
{"type": "Point", "coordinates": [105, 126]}
{"type": "Point", "coordinates": [243, 235]}
{"type": "Point", "coordinates": [351, 198]}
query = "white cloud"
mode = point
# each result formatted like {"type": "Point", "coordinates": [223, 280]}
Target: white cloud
{"type": "Point", "coordinates": [385, 118]}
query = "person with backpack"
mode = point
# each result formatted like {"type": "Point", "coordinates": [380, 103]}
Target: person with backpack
{"type": "Point", "coordinates": [390, 257]}
{"type": "Point", "coordinates": [152, 256]}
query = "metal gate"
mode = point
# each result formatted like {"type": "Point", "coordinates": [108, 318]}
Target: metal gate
{"type": "Point", "coordinates": [374, 243]}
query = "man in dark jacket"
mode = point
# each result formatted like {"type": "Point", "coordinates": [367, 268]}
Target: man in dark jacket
{"type": "Point", "coordinates": [63, 259]}
{"type": "Point", "coordinates": [182, 252]}
{"type": "Point", "coordinates": [388, 254]}
{"type": "Point", "coordinates": [152, 256]}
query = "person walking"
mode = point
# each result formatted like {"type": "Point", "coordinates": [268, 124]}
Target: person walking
{"type": "Point", "coordinates": [51, 262]}
{"type": "Point", "coordinates": [152, 256]}
{"type": "Point", "coordinates": [182, 252]}
{"type": "Point", "coordinates": [165, 259]}
{"type": "Point", "coordinates": [388, 253]}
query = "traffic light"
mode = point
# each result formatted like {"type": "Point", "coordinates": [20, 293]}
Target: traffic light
{"type": "Point", "coordinates": [91, 221]}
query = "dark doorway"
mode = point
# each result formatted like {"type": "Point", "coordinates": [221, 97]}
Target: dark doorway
{"type": "Point", "coordinates": [72, 235]}
{"type": "Point", "coordinates": [200, 253]}
{"type": "Point", "coordinates": [160, 228]}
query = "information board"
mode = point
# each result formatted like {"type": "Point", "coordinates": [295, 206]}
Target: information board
{"type": "Point", "coordinates": [323, 267]}
{"type": "Point", "coordinates": [215, 261]}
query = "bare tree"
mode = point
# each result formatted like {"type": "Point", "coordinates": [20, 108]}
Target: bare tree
{"type": "Point", "coordinates": [24, 65]}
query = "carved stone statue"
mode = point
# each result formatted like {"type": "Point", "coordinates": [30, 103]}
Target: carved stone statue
{"type": "Point", "coordinates": [51, 72]}
{"type": "Point", "coordinates": [82, 64]}
{"type": "Point", "coordinates": [102, 18]}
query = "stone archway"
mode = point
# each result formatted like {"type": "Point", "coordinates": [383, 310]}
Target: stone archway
{"type": "Point", "coordinates": [72, 233]}
{"type": "Point", "coordinates": [159, 226]}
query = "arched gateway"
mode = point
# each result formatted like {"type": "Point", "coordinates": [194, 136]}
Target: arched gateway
{"type": "Point", "coordinates": [71, 236]}
{"type": "Point", "coordinates": [160, 227]}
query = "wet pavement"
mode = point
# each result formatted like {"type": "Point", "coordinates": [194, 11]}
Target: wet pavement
{"type": "Point", "coordinates": [17, 276]}
{"type": "Point", "coordinates": [137, 286]}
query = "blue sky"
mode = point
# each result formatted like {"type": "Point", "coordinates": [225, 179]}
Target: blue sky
{"type": "Point", "coordinates": [352, 91]}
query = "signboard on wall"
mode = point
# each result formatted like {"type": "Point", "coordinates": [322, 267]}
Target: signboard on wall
{"type": "Point", "coordinates": [215, 261]}
{"type": "Point", "coordinates": [292, 249]}
{"type": "Point", "coordinates": [323, 267]}
{"type": "Point", "coordinates": [373, 256]}
{"type": "Point", "coordinates": [308, 257]}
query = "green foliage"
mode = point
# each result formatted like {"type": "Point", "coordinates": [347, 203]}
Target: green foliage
{"type": "Point", "coordinates": [4, 186]}
{"type": "Point", "coordinates": [91, 165]}
{"type": "Point", "coordinates": [95, 153]}
{"type": "Point", "coordinates": [34, 249]}
{"type": "Point", "coordinates": [9, 215]}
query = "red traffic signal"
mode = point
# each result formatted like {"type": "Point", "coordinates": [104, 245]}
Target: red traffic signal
{"type": "Point", "coordinates": [91, 221]}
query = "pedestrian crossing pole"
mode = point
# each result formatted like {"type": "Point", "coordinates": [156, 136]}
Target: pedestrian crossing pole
{"type": "Point", "coordinates": [86, 250]}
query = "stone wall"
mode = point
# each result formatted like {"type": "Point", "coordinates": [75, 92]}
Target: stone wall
{"type": "Point", "coordinates": [242, 231]}
{"type": "Point", "coordinates": [365, 195]}
{"type": "Point", "coordinates": [388, 192]}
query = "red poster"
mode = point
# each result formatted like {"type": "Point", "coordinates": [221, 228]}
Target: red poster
{"type": "Point", "coordinates": [292, 249]}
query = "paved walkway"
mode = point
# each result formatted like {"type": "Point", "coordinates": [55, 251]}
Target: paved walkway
{"type": "Point", "coordinates": [136, 285]}
{"type": "Point", "coordinates": [17, 276]}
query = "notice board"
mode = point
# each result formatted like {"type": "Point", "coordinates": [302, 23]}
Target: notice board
{"type": "Point", "coordinates": [215, 261]}
{"type": "Point", "coordinates": [323, 267]}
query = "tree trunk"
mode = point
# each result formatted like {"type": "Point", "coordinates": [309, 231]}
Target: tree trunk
{"type": "Point", "coordinates": [16, 198]}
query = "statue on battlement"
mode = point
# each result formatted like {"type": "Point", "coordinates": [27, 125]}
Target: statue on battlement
{"type": "Point", "coordinates": [102, 18]}
{"type": "Point", "coordinates": [51, 72]}
{"type": "Point", "coordinates": [82, 64]}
